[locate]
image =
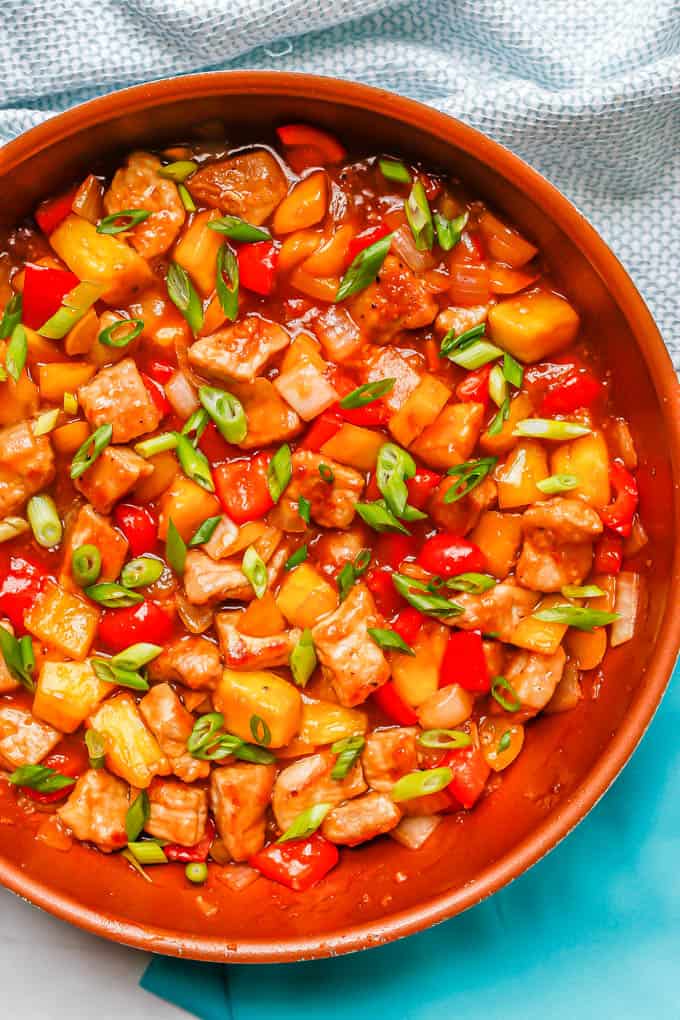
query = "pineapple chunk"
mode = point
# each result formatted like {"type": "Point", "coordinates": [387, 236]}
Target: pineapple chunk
{"type": "Point", "coordinates": [101, 258]}
{"type": "Point", "coordinates": [538, 635]}
{"type": "Point", "coordinates": [303, 348]}
{"type": "Point", "coordinates": [324, 721]}
{"type": "Point", "coordinates": [67, 692]}
{"type": "Point", "coordinates": [305, 596]}
{"type": "Point", "coordinates": [500, 536]}
{"type": "Point", "coordinates": [306, 389]}
{"type": "Point", "coordinates": [517, 477]}
{"type": "Point", "coordinates": [197, 251]}
{"type": "Point", "coordinates": [132, 752]}
{"type": "Point", "coordinates": [452, 437]}
{"type": "Point", "coordinates": [416, 677]}
{"type": "Point", "coordinates": [534, 325]}
{"type": "Point", "coordinates": [259, 706]}
{"type": "Point", "coordinates": [419, 410]}
{"type": "Point", "coordinates": [188, 505]}
{"type": "Point", "coordinates": [63, 621]}
{"type": "Point", "coordinates": [60, 377]}
{"type": "Point", "coordinates": [354, 446]}
{"type": "Point", "coordinates": [503, 441]}
{"type": "Point", "coordinates": [588, 459]}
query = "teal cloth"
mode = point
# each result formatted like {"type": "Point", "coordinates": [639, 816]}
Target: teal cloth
{"type": "Point", "coordinates": [592, 931]}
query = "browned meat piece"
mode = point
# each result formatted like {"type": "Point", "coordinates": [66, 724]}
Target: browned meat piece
{"type": "Point", "coordinates": [361, 819]}
{"type": "Point", "coordinates": [89, 528]}
{"type": "Point", "coordinates": [347, 653]}
{"type": "Point", "coordinates": [239, 351]}
{"type": "Point", "coordinates": [534, 677]}
{"type": "Point", "coordinates": [114, 473]}
{"type": "Point", "coordinates": [332, 504]}
{"type": "Point", "coordinates": [249, 185]}
{"type": "Point", "coordinates": [207, 580]}
{"type": "Point", "coordinates": [307, 782]}
{"type": "Point", "coordinates": [138, 186]}
{"type": "Point", "coordinates": [193, 662]}
{"type": "Point", "coordinates": [557, 547]}
{"type": "Point", "coordinates": [497, 611]}
{"type": "Point", "coordinates": [178, 813]}
{"type": "Point", "coordinates": [397, 300]}
{"type": "Point", "coordinates": [388, 755]}
{"type": "Point", "coordinates": [23, 740]}
{"type": "Point", "coordinates": [26, 466]}
{"type": "Point", "coordinates": [117, 396]}
{"type": "Point", "coordinates": [568, 520]}
{"type": "Point", "coordinates": [463, 514]}
{"type": "Point", "coordinates": [171, 725]}
{"type": "Point", "coordinates": [242, 651]}
{"type": "Point", "coordinates": [239, 797]}
{"type": "Point", "coordinates": [335, 548]}
{"type": "Point", "coordinates": [96, 810]}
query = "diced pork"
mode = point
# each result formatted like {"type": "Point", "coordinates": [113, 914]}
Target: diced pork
{"type": "Point", "coordinates": [117, 396]}
{"type": "Point", "coordinates": [249, 185]}
{"type": "Point", "coordinates": [388, 755]}
{"type": "Point", "coordinates": [90, 528]}
{"type": "Point", "coordinates": [178, 812]}
{"type": "Point", "coordinates": [239, 797]}
{"type": "Point", "coordinates": [26, 466]}
{"type": "Point", "coordinates": [568, 520]}
{"type": "Point", "coordinates": [397, 300]}
{"type": "Point", "coordinates": [242, 651]}
{"type": "Point", "coordinates": [23, 740]}
{"type": "Point", "coordinates": [332, 503]}
{"type": "Point", "coordinates": [461, 515]}
{"type": "Point", "coordinates": [534, 677]}
{"type": "Point", "coordinates": [240, 351]}
{"type": "Point", "coordinates": [347, 653]}
{"type": "Point", "coordinates": [335, 548]}
{"type": "Point", "coordinates": [557, 547]}
{"type": "Point", "coordinates": [138, 186]}
{"type": "Point", "coordinates": [497, 611]}
{"type": "Point", "coordinates": [361, 819]}
{"type": "Point", "coordinates": [307, 782]}
{"type": "Point", "coordinates": [96, 810]}
{"type": "Point", "coordinates": [114, 473]}
{"type": "Point", "coordinates": [171, 725]}
{"type": "Point", "coordinates": [207, 580]}
{"type": "Point", "coordinates": [193, 662]}
{"type": "Point", "coordinates": [460, 319]}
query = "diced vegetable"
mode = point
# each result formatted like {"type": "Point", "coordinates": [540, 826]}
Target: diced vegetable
{"type": "Point", "coordinates": [355, 446]}
{"type": "Point", "coordinates": [102, 259]}
{"type": "Point", "coordinates": [188, 505]}
{"type": "Point", "coordinates": [540, 635]}
{"type": "Point", "coordinates": [259, 707]}
{"type": "Point", "coordinates": [517, 478]}
{"type": "Point", "coordinates": [67, 693]}
{"type": "Point", "coordinates": [416, 678]}
{"type": "Point", "coordinates": [132, 752]}
{"type": "Point", "coordinates": [63, 621]}
{"type": "Point", "coordinates": [587, 459]}
{"type": "Point", "coordinates": [305, 595]}
{"type": "Point", "coordinates": [419, 410]}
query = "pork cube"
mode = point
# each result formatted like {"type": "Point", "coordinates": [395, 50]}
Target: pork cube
{"type": "Point", "coordinates": [307, 782]}
{"type": "Point", "coordinates": [207, 580]}
{"type": "Point", "coordinates": [397, 300]}
{"type": "Point", "coordinates": [361, 819]}
{"type": "Point", "coordinates": [90, 528]}
{"type": "Point", "coordinates": [496, 611]}
{"type": "Point", "coordinates": [139, 186]}
{"type": "Point", "coordinates": [242, 651]}
{"type": "Point", "coordinates": [193, 662]}
{"type": "Point", "coordinates": [178, 813]}
{"type": "Point", "coordinates": [26, 466]}
{"type": "Point", "coordinates": [240, 351]}
{"type": "Point", "coordinates": [23, 739]}
{"type": "Point", "coordinates": [239, 797]}
{"type": "Point", "coordinates": [388, 755]}
{"type": "Point", "coordinates": [249, 185]}
{"type": "Point", "coordinates": [114, 473]}
{"type": "Point", "coordinates": [452, 437]}
{"type": "Point", "coordinates": [97, 809]}
{"type": "Point", "coordinates": [338, 334]}
{"type": "Point", "coordinates": [171, 725]}
{"type": "Point", "coordinates": [534, 677]}
{"type": "Point", "coordinates": [332, 502]}
{"type": "Point", "coordinates": [117, 396]}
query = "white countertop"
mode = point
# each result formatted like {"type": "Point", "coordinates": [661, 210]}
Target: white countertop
{"type": "Point", "coordinates": [53, 971]}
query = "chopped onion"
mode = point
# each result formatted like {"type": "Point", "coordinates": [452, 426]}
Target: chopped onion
{"type": "Point", "coordinates": [469, 284]}
{"type": "Point", "coordinates": [405, 247]}
{"type": "Point", "coordinates": [637, 539]}
{"type": "Point", "coordinates": [182, 395]}
{"type": "Point", "coordinates": [626, 605]}
{"type": "Point", "coordinates": [196, 619]}
{"type": "Point", "coordinates": [622, 444]}
{"type": "Point", "coordinates": [414, 831]}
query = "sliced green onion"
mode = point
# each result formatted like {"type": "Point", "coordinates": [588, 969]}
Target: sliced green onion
{"type": "Point", "coordinates": [140, 572]}
{"type": "Point", "coordinates": [44, 423]}
{"type": "Point", "coordinates": [93, 446]}
{"type": "Point", "coordinates": [96, 748]}
{"type": "Point", "coordinates": [298, 557]}
{"type": "Point", "coordinates": [205, 531]}
{"type": "Point", "coordinates": [12, 527]}
{"type": "Point", "coordinates": [17, 352]}
{"type": "Point", "coordinates": [472, 583]}
{"type": "Point", "coordinates": [304, 508]}
{"type": "Point", "coordinates": [194, 463]}
{"type": "Point", "coordinates": [86, 565]}
{"type": "Point", "coordinates": [582, 591]}
{"type": "Point", "coordinates": [279, 472]}
{"type": "Point", "coordinates": [558, 483]}
{"type": "Point", "coordinates": [70, 403]}
{"type": "Point", "coordinates": [196, 872]}
{"type": "Point", "coordinates": [113, 596]}
{"type": "Point", "coordinates": [27, 653]}
{"type": "Point", "coordinates": [452, 341]}
{"type": "Point", "coordinates": [135, 656]}
{"type": "Point", "coordinates": [419, 784]}
{"type": "Point", "coordinates": [394, 170]}
{"type": "Point", "coordinates": [351, 572]}
{"type": "Point", "coordinates": [147, 852]}
{"type": "Point", "coordinates": [421, 598]}
{"type": "Point", "coordinates": [11, 317]}
{"type": "Point", "coordinates": [469, 475]}
{"type": "Point", "coordinates": [498, 386]}
{"type": "Point", "coordinates": [40, 778]}
{"type": "Point", "coordinates": [106, 670]}
{"type": "Point", "coordinates": [137, 816]}
{"type": "Point", "coordinates": [576, 616]}
{"type": "Point", "coordinates": [385, 638]}
{"type": "Point", "coordinates": [226, 411]}
{"type": "Point", "coordinates": [348, 750]}
{"type": "Point", "coordinates": [15, 660]}
{"type": "Point", "coordinates": [393, 467]}
{"type": "Point", "coordinates": [504, 742]}
{"type": "Point", "coordinates": [260, 730]}
{"type": "Point", "coordinates": [303, 658]}
{"type": "Point", "coordinates": [475, 355]}
{"type": "Point", "coordinates": [130, 217]}
{"type": "Point", "coordinates": [239, 230]}
{"type": "Point", "coordinates": [178, 171]}
{"type": "Point", "coordinates": [505, 694]}
{"type": "Point", "coordinates": [134, 863]}
{"type": "Point", "coordinates": [254, 568]}
{"type": "Point", "coordinates": [367, 393]}
{"type": "Point", "coordinates": [251, 752]}
{"type": "Point", "coordinates": [379, 517]}
{"type": "Point", "coordinates": [449, 231]}
{"type": "Point", "coordinates": [44, 520]}
{"type": "Point", "coordinates": [512, 370]}
{"type": "Point", "coordinates": [175, 549]}
{"type": "Point", "coordinates": [121, 333]}
{"type": "Point", "coordinates": [445, 739]}
{"type": "Point", "coordinates": [182, 294]}
{"type": "Point", "coordinates": [364, 268]}
{"type": "Point", "coordinates": [419, 217]}
{"type": "Point", "coordinates": [326, 474]}
{"type": "Point", "coordinates": [548, 428]}
{"type": "Point", "coordinates": [195, 425]}
{"type": "Point", "coordinates": [206, 728]}
{"type": "Point", "coordinates": [185, 198]}
{"type": "Point", "coordinates": [496, 424]}
{"type": "Point", "coordinates": [74, 306]}
{"type": "Point", "coordinates": [227, 281]}
{"type": "Point", "coordinates": [307, 822]}
{"type": "Point", "coordinates": [222, 745]}
{"type": "Point", "coordinates": [157, 444]}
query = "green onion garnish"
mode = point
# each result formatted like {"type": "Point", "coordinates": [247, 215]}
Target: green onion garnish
{"type": "Point", "coordinates": [12, 527]}
{"type": "Point", "coordinates": [110, 673]}
{"type": "Point", "coordinates": [348, 750]}
{"type": "Point", "coordinates": [157, 444]}
{"type": "Point", "coordinates": [137, 815]}
{"type": "Point", "coordinates": [367, 393]}
{"type": "Point", "coordinates": [86, 565]}
{"type": "Point", "coordinates": [298, 557]}
{"type": "Point", "coordinates": [446, 739]}
{"type": "Point", "coordinates": [419, 784]}
{"type": "Point", "coordinates": [364, 268]}
{"type": "Point", "coordinates": [227, 281]}
{"type": "Point", "coordinates": [423, 599]}
{"type": "Point", "coordinates": [96, 748]}
{"type": "Point", "coordinates": [385, 638]}
{"type": "Point", "coordinates": [194, 463]}
{"type": "Point", "coordinates": [475, 355]}
{"type": "Point", "coordinates": [45, 422]}
{"type": "Point", "coordinates": [279, 472]}
{"type": "Point", "coordinates": [195, 425]}
{"type": "Point", "coordinates": [205, 531]}
{"type": "Point", "coordinates": [505, 694]}
{"type": "Point", "coordinates": [548, 428]}
{"type": "Point", "coordinates": [576, 616]}
{"type": "Point", "coordinates": [558, 483]}
{"type": "Point", "coordinates": [260, 730]}
{"type": "Point", "coordinates": [130, 218]}
{"type": "Point", "coordinates": [449, 231]}
{"type": "Point", "coordinates": [147, 852]}
{"type": "Point", "coordinates": [175, 549]}
{"type": "Point", "coordinates": [239, 230]}
{"type": "Point", "coordinates": [185, 198]}
{"type": "Point", "coordinates": [326, 474]}
{"type": "Point", "coordinates": [504, 742]}
{"type": "Point", "coordinates": [582, 591]}
{"type": "Point", "coordinates": [393, 467]}
{"type": "Point", "coordinates": [113, 596]}
{"type": "Point", "coordinates": [182, 294]}
{"type": "Point", "coordinates": [452, 341]}
{"type": "Point", "coordinates": [351, 572]}
{"type": "Point", "coordinates": [496, 424]}
{"type": "Point", "coordinates": [226, 411]}
{"type": "Point", "coordinates": [512, 370]}
{"type": "Point", "coordinates": [40, 778]}
{"type": "Point", "coordinates": [16, 659]}
{"type": "Point", "coordinates": [196, 872]}
{"type": "Point", "coordinates": [141, 571]}
{"type": "Point", "coordinates": [178, 171]}
{"type": "Point", "coordinates": [254, 568]}
{"type": "Point", "coordinates": [472, 583]}
{"type": "Point", "coordinates": [75, 304]}
{"type": "Point", "coordinates": [379, 517]}
{"type": "Point", "coordinates": [205, 731]}
{"type": "Point", "coordinates": [498, 386]}
{"type": "Point", "coordinates": [304, 508]}
{"type": "Point", "coordinates": [419, 217]}
{"type": "Point", "coordinates": [17, 352]}
{"type": "Point", "coordinates": [121, 333]}
{"type": "Point", "coordinates": [136, 656]}
{"type": "Point", "coordinates": [44, 520]}
{"type": "Point", "coordinates": [11, 317]}
{"type": "Point", "coordinates": [394, 170]}
{"type": "Point", "coordinates": [303, 658]}
{"type": "Point", "coordinates": [87, 454]}
{"type": "Point", "coordinates": [468, 476]}
{"type": "Point", "coordinates": [307, 822]}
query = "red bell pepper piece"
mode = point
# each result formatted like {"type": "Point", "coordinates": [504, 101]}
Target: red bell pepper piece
{"type": "Point", "coordinates": [387, 598]}
{"type": "Point", "coordinates": [392, 549]}
{"type": "Point", "coordinates": [470, 773]}
{"type": "Point", "coordinates": [19, 589]}
{"type": "Point", "coordinates": [70, 761]}
{"type": "Point", "coordinates": [448, 555]}
{"type": "Point", "coordinates": [366, 238]}
{"type": "Point", "coordinates": [139, 527]}
{"type": "Point", "coordinates": [44, 291]}
{"type": "Point", "coordinates": [161, 371]}
{"type": "Point", "coordinates": [474, 247]}
{"type": "Point", "coordinates": [191, 854]}
{"type": "Point", "coordinates": [578, 388]}
{"type": "Point", "coordinates": [242, 488]}
{"type": "Point", "coordinates": [464, 662]}
{"type": "Point", "coordinates": [49, 214]}
{"type": "Point", "coordinates": [292, 135]}
{"type": "Point", "coordinates": [408, 623]}
{"type": "Point", "coordinates": [375, 413]}
{"type": "Point", "coordinates": [432, 185]}
{"type": "Point", "coordinates": [323, 428]}
{"type": "Point", "coordinates": [120, 628]}
{"type": "Point", "coordinates": [475, 386]}
{"type": "Point", "coordinates": [257, 266]}
{"type": "Point", "coordinates": [215, 446]}
{"type": "Point", "coordinates": [608, 555]}
{"type": "Point", "coordinates": [157, 394]}
{"type": "Point", "coordinates": [618, 516]}
{"type": "Point", "coordinates": [394, 707]}
{"type": "Point", "coordinates": [299, 864]}
{"type": "Point", "coordinates": [421, 487]}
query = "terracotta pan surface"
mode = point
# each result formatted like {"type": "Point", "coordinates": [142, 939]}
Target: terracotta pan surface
{"type": "Point", "coordinates": [384, 891]}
